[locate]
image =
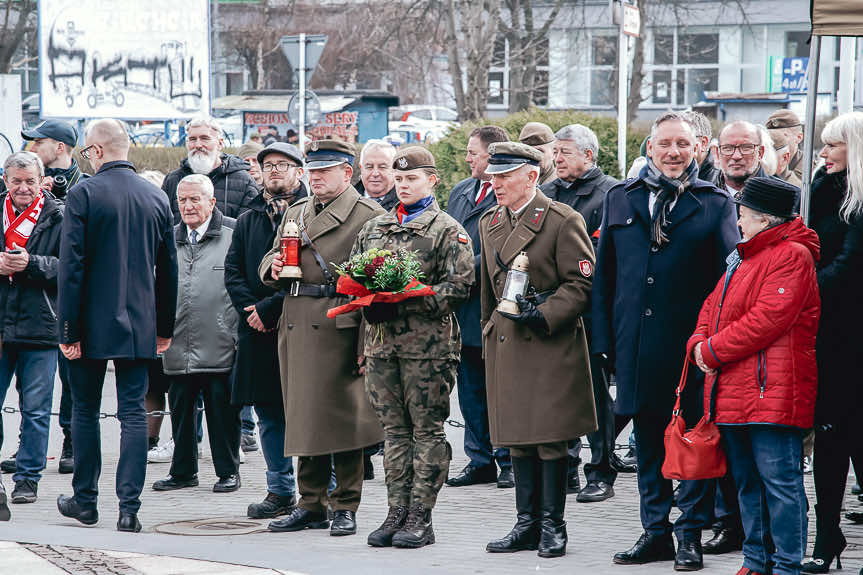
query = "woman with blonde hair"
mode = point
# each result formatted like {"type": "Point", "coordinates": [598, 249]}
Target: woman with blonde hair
{"type": "Point", "coordinates": [836, 215]}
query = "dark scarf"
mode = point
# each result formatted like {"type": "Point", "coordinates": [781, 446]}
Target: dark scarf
{"type": "Point", "coordinates": [278, 203]}
{"type": "Point", "coordinates": [668, 191]}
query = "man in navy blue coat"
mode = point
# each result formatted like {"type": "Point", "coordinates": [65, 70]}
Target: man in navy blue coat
{"type": "Point", "coordinates": [662, 248]}
{"type": "Point", "coordinates": [118, 296]}
{"type": "Point", "coordinates": [467, 202]}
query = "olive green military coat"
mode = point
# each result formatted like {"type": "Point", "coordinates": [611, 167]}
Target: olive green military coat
{"type": "Point", "coordinates": [326, 408]}
{"type": "Point", "coordinates": [538, 386]}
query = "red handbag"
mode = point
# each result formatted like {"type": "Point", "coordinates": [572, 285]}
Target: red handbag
{"type": "Point", "coordinates": [693, 454]}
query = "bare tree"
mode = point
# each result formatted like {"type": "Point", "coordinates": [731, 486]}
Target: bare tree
{"type": "Point", "coordinates": [528, 46]}
{"type": "Point", "coordinates": [471, 29]}
{"type": "Point", "coordinates": [253, 34]}
{"type": "Point", "coordinates": [19, 22]}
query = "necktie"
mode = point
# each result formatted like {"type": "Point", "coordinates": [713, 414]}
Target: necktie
{"type": "Point", "coordinates": [483, 191]}
{"type": "Point", "coordinates": [193, 237]}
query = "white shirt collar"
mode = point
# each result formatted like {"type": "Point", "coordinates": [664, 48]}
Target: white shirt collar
{"type": "Point", "coordinates": [202, 229]}
{"type": "Point", "coordinates": [527, 203]}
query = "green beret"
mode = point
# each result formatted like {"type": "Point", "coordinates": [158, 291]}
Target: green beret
{"type": "Point", "coordinates": [413, 158]}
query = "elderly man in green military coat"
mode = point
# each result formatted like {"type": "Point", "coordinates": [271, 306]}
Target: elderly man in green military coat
{"type": "Point", "coordinates": [539, 388]}
{"type": "Point", "coordinates": [327, 412]}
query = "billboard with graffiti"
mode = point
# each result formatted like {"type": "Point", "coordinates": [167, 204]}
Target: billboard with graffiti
{"type": "Point", "coordinates": [130, 59]}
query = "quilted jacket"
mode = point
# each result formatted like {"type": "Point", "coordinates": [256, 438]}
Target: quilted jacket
{"type": "Point", "coordinates": [758, 327]}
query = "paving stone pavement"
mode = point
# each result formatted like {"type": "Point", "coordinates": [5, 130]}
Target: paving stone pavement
{"type": "Point", "coordinates": [465, 520]}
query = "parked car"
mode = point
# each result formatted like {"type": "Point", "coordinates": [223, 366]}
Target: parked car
{"type": "Point", "coordinates": [424, 123]}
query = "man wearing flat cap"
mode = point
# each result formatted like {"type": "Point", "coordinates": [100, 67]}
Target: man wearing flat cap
{"type": "Point", "coordinates": [328, 418]}
{"type": "Point", "coordinates": [540, 136]}
{"type": "Point", "coordinates": [540, 394]}
{"type": "Point", "coordinates": [789, 123]}
{"type": "Point", "coordinates": [257, 378]}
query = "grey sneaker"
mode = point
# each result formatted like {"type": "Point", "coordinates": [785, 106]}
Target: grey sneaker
{"type": "Point", "coordinates": [25, 491]}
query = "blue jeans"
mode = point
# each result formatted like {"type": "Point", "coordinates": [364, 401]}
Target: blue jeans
{"type": "Point", "coordinates": [248, 421]}
{"type": "Point", "coordinates": [473, 404]}
{"type": "Point", "coordinates": [86, 378]}
{"type": "Point", "coordinates": [35, 368]}
{"type": "Point", "coordinates": [280, 469]}
{"type": "Point", "coordinates": [767, 464]}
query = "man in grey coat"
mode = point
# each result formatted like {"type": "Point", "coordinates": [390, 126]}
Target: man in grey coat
{"type": "Point", "coordinates": [201, 356]}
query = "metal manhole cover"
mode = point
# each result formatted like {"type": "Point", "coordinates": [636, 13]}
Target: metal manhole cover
{"type": "Point", "coordinates": [213, 526]}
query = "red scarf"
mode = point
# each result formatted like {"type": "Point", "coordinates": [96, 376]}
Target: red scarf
{"type": "Point", "coordinates": [17, 230]}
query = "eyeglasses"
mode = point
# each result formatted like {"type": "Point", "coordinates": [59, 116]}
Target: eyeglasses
{"type": "Point", "coordinates": [745, 149]}
{"type": "Point", "coordinates": [85, 153]}
{"type": "Point", "coordinates": [278, 167]}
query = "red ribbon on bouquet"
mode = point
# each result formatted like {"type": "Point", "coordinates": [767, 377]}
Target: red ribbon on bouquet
{"type": "Point", "coordinates": [365, 297]}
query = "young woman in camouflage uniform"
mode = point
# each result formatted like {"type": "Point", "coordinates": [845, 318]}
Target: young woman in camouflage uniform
{"type": "Point", "coordinates": [412, 349]}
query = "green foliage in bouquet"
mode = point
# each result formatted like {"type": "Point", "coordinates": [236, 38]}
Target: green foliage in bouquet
{"type": "Point", "coordinates": [383, 270]}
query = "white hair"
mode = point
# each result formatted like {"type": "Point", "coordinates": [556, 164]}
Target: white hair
{"type": "Point", "coordinates": [208, 121]}
{"type": "Point", "coordinates": [770, 161]}
{"type": "Point", "coordinates": [376, 144]}
{"type": "Point", "coordinates": [23, 161]}
{"type": "Point", "coordinates": [583, 137]}
{"type": "Point", "coordinates": [200, 180]}
{"type": "Point", "coordinates": [848, 129]}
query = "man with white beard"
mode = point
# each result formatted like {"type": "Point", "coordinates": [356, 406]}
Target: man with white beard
{"type": "Point", "coordinates": [233, 185]}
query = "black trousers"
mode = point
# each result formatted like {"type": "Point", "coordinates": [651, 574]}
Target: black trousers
{"type": "Point", "coordinates": [223, 423]}
{"type": "Point", "coordinates": [834, 446]}
{"type": "Point", "coordinates": [86, 377]}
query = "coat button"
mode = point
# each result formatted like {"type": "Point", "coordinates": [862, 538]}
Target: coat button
{"type": "Point", "coordinates": [654, 249]}
{"type": "Point", "coordinates": [502, 338]}
{"type": "Point", "coordinates": [290, 326]}
{"type": "Point", "coordinates": [650, 280]}
{"type": "Point", "coordinates": [648, 312]}
{"type": "Point", "coordinates": [315, 326]}
{"type": "Point", "coordinates": [628, 221]}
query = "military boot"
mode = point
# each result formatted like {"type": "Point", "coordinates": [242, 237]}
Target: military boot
{"type": "Point", "coordinates": [552, 539]}
{"type": "Point", "coordinates": [395, 521]}
{"type": "Point", "coordinates": [525, 535]}
{"type": "Point", "coordinates": [417, 531]}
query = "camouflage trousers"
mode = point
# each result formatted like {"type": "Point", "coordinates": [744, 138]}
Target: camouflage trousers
{"type": "Point", "coordinates": [411, 399]}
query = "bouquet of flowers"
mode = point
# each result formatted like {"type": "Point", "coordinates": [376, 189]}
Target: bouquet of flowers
{"type": "Point", "coordinates": [379, 276]}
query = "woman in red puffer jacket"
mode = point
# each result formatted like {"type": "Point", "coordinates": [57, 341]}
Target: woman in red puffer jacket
{"type": "Point", "coordinates": [755, 340]}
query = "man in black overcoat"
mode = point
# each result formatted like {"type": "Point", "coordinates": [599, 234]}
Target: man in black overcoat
{"type": "Point", "coordinates": [662, 248]}
{"type": "Point", "coordinates": [467, 202]}
{"type": "Point", "coordinates": [117, 231]}
{"type": "Point", "coordinates": [256, 379]}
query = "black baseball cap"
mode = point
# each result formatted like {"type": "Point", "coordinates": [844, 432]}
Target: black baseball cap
{"type": "Point", "coordinates": [54, 129]}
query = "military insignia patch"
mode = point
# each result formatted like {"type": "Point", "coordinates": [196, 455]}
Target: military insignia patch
{"type": "Point", "coordinates": [585, 268]}
{"type": "Point", "coordinates": [462, 238]}
{"type": "Point", "coordinates": [403, 162]}
{"type": "Point", "coordinates": [537, 214]}
{"type": "Point", "coordinates": [496, 218]}
{"type": "Point", "coordinates": [314, 146]}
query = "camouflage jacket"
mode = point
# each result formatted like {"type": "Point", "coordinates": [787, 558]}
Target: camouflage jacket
{"type": "Point", "coordinates": [426, 327]}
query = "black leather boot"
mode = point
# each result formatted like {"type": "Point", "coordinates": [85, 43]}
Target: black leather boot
{"type": "Point", "coordinates": [525, 535]}
{"type": "Point", "coordinates": [383, 535]}
{"type": "Point", "coordinates": [552, 538]}
{"type": "Point", "coordinates": [417, 531]}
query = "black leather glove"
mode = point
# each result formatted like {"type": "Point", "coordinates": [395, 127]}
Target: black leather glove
{"type": "Point", "coordinates": [380, 312]}
{"type": "Point", "coordinates": [529, 315]}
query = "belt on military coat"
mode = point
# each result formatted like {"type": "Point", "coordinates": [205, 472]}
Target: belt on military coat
{"type": "Point", "coordinates": [311, 290]}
